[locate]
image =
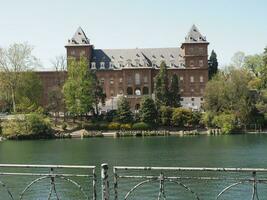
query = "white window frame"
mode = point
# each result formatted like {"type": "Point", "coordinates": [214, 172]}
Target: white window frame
{"type": "Point", "coordinates": [201, 79]}
{"type": "Point", "coordinates": [93, 65]}
{"type": "Point", "coordinates": [102, 65]}
{"type": "Point", "coordinates": [201, 63]}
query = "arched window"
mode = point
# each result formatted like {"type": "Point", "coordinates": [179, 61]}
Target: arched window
{"type": "Point", "coordinates": [145, 90]}
{"type": "Point", "coordinates": [137, 79]}
{"type": "Point", "coordinates": [137, 92]}
{"type": "Point", "coordinates": [129, 91]}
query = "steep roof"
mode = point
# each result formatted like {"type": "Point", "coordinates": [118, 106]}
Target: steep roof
{"type": "Point", "coordinates": [79, 38]}
{"type": "Point", "coordinates": [194, 36]}
{"type": "Point", "coordinates": [148, 57]}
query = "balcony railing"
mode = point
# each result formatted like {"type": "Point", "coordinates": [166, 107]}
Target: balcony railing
{"type": "Point", "coordinates": [143, 183]}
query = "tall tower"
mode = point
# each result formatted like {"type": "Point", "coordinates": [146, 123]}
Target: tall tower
{"type": "Point", "coordinates": [79, 46]}
{"type": "Point", "coordinates": [195, 49]}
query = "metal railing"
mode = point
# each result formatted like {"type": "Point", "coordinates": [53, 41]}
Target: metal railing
{"type": "Point", "coordinates": [163, 177]}
{"type": "Point", "coordinates": [51, 175]}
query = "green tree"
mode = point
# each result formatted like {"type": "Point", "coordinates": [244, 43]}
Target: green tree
{"type": "Point", "coordinates": [162, 86]}
{"type": "Point", "coordinates": [213, 64]}
{"type": "Point", "coordinates": [166, 115]}
{"type": "Point", "coordinates": [182, 117]}
{"type": "Point", "coordinates": [98, 94]}
{"type": "Point", "coordinates": [228, 93]}
{"type": "Point", "coordinates": [238, 59]}
{"type": "Point", "coordinates": [29, 93]}
{"type": "Point", "coordinates": [14, 62]}
{"type": "Point", "coordinates": [174, 94]}
{"type": "Point", "coordinates": [124, 111]}
{"type": "Point", "coordinates": [148, 111]}
{"type": "Point", "coordinates": [254, 63]}
{"type": "Point", "coordinates": [77, 89]}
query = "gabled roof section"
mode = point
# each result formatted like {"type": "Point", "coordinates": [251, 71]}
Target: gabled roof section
{"type": "Point", "coordinates": [79, 38]}
{"type": "Point", "coordinates": [194, 36]}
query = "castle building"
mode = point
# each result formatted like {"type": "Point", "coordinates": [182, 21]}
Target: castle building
{"type": "Point", "coordinates": [131, 72]}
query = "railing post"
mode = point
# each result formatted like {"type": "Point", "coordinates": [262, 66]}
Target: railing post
{"type": "Point", "coordinates": [115, 183]}
{"type": "Point", "coordinates": [105, 182]}
{"type": "Point", "coordinates": [94, 185]}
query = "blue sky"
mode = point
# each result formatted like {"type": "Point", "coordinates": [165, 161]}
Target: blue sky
{"type": "Point", "coordinates": [230, 26]}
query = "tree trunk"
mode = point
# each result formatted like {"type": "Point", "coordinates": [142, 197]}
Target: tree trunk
{"type": "Point", "coordinates": [13, 100]}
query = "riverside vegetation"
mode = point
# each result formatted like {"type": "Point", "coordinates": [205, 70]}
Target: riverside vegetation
{"type": "Point", "coordinates": [235, 99]}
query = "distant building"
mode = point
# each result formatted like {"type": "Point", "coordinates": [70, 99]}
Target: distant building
{"type": "Point", "coordinates": [131, 72]}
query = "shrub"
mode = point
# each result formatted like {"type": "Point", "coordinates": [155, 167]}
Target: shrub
{"type": "Point", "coordinates": [126, 126]}
{"type": "Point", "coordinates": [95, 126]}
{"type": "Point", "coordinates": [111, 116]}
{"type": "Point", "coordinates": [141, 126]}
{"type": "Point", "coordinates": [64, 126]}
{"type": "Point", "coordinates": [31, 126]}
{"type": "Point", "coordinates": [226, 122]}
{"type": "Point", "coordinates": [114, 126]}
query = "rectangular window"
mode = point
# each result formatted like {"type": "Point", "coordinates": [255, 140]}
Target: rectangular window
{"type": "Point", "coordinates": [201, 63]}
{"type": "Point", "coordinates": [192, 63]}
{"type": "Point", "coordinates": [145, 79]}
{"type": "Point", "coordinates": [120, 80]}
{"type": "Point", "coordinates": [111, 81]}
{"type": "Point", "coordinates": [181, 78]}
{"type": "Point", "coordinates": [192, 79]}
{"type": "Point", "coordinates": [201, 79]}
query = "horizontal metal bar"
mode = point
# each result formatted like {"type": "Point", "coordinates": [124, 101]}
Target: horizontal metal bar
{"type": "Point", "coordinates": [48, 166]}
{"type": "Point", "coordinates": [191, 178]}
{"type": "Point", "coordinates": [194, 169]}
{"type": "Point", "coordinates": [41, 174]}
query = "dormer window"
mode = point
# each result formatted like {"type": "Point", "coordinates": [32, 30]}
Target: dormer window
{"type": "Point", "coordinates": [93, 66]}
{"type": "Point", "coordinates": [102, 65]}
{"type": "Point", "coordinates": [172, 63]}
{"type": "Point", "coordinates": [129, 63]}
{"type": "Point", "coordinates": [137, 62]}
{"type": "Point", "coordinates": [111, 65]}
{"type": "Point", "coordinates": [154, 65]}
{"type": "Point", "coordinates": [200, 38]}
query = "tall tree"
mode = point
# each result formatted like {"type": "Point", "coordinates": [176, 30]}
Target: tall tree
{"type": "Point", "coordinates": [213, 64]}
{"type": "Point", "coordinates": [124, 111]}
{"type": "Point", "coordinates": [14, 60]}
{"type": "Point", "coordinates": [162, 86]}
{"type": "Point", "coordinates": [29, 92]}
{"type": "Point", "coordinates": [174, 93]}
{"type": "Point", "coordinates": [77, 88]}
{"type": "Point", "coordinates": [238, 59]}
{"type": "Point", "coordinates": [98, 94]}
{"type": "Point", "coordinates": [56, 102]}
{"type": "Point", "coordinates": [148, 111]}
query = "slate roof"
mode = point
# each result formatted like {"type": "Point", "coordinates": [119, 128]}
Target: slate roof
{"type": "Point", "coordinates": [132, 58]}
{"type": "Point", "coordinates": [79, 38]}
{"type": "Point", "coordinates": [194, 36]}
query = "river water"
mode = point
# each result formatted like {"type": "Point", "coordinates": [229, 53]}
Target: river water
{"type": "Point", "coordinates": [196, 151]}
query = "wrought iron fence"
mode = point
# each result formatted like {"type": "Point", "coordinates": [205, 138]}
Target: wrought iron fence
{"type": "Point", "coordinates": [51, 173]}
{"type": "Point", "coordinates": [187, 179]}
{"type": "Point", "coordinates": [249, 176]}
